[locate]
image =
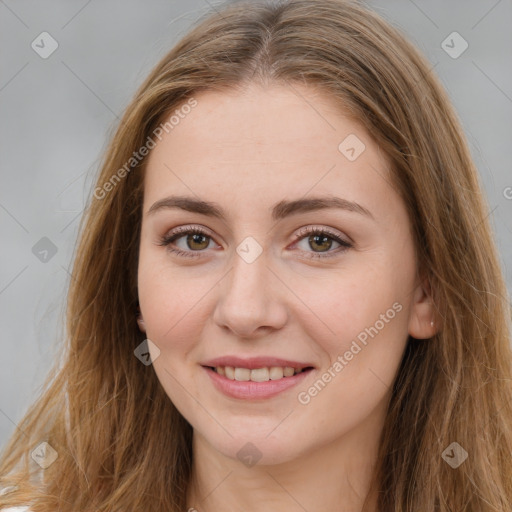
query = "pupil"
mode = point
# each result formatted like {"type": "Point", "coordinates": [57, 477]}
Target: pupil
{"type": "Point", "coordinates": [322, 239]}
{"type": "Point", "coordinates": [196, 238]}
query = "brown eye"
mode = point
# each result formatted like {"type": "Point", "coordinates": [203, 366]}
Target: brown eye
{"type": "Point", "coordinates": [196, 241]}
{"type": "Point", "coordinates": [320, 240]}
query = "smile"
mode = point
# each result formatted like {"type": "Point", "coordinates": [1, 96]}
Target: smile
{"type": "Point", "coordinates": [257, 374]}
{"type": "Point", "coordinates": [256, 378]}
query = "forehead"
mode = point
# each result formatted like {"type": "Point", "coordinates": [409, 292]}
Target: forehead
{"type": "Point", "coordinates": [277, 117]}
{"type": "Point", "coordinates": [270, 142]}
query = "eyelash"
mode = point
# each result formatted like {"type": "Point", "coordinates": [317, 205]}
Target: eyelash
{"type": "Point", "coordinates": [196, 230]}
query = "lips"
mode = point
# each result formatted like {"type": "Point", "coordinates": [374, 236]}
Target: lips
{"type": "Point", "coordinates": [256, 377]}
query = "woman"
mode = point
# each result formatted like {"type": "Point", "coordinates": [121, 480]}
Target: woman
{"type": "Point", "coordinates": [216, 358]}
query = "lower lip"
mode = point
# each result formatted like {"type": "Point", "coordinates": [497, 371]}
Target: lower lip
{"type": "Point", "coordinates": [254, 390]}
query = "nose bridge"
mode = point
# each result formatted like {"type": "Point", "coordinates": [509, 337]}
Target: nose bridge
{"type": "Point", "coordinates": [246, 284]}
{"type": "Point", "coordinates": [247, 298]}
{"type": "Point", "coordinates": [249, 273]}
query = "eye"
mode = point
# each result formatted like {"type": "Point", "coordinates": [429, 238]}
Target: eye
{"type": "Point", "coordinates": [196, 239]}
{"type": "Point", "coordinates": [321, 241]}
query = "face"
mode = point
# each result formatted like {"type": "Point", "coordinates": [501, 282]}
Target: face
{"type": "Point", "coordinates": [267, 277]}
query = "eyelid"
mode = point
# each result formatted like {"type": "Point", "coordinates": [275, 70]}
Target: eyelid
{"type": "Point", "coordinates": [312, 228]}
{"type": "Point", "coordinates": [186, 229]}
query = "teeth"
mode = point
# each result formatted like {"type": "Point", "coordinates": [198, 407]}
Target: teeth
{"type": "Point", "coordinates": [288, 372]}
{"type": "Point", "coordinates": [276, 372]}
{"type": "Point", "coordinates": [260, 375]}
{"type": "Point", "coordinates": [242, 374]}
{"type": "Point", "coordinates": [257, 374]}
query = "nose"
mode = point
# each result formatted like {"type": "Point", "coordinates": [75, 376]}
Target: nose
{"type": "Point", "coordinates": [251, 299]}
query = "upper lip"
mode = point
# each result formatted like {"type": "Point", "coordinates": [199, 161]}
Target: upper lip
{"type": "Point", "coordinates": [254, 362]}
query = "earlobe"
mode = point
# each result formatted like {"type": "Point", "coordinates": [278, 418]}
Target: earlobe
{"type": "Point", "coordinates": [422, 323]}
{"type": "Point", "coordinates": [140, 321]}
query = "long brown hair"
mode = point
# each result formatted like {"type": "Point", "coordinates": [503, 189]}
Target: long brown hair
{"type": "Point", "coordinates": [121, 443]}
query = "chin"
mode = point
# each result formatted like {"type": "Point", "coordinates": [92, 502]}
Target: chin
{"type": "Point", "coordinates": [252, 448]}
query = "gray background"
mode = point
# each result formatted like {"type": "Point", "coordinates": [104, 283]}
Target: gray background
{"type": "Point", "coordinates": [57, 113]}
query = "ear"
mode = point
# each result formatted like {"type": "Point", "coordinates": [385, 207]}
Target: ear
{"type": "Point", "coordinates": [422, 321]}
{"type": "Point", "coordinates": [140, 321]}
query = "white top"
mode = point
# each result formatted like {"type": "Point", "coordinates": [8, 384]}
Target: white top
{"type": "Point", "coordinates": [12, 509]}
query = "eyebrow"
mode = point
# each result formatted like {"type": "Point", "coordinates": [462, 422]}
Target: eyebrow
{"type": "Point", "coordinates": [280, 210]}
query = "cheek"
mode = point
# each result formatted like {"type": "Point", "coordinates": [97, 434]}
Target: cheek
{"type": "Point", "coordinates": [350, 304]}
{"type": "Point", "coordinates": [171, 299]}
{"type": "Point", "coordinates": [172, 312]}
{"type": "Point", "coordinates": [364, 355]}
{"type": "Point", "coordinates": [174, 316]}
{"type": "Point", "coordinates": [361, 325]}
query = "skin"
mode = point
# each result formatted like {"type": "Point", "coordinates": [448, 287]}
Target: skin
{"type": "Point", "coordinates": [246, 151]}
